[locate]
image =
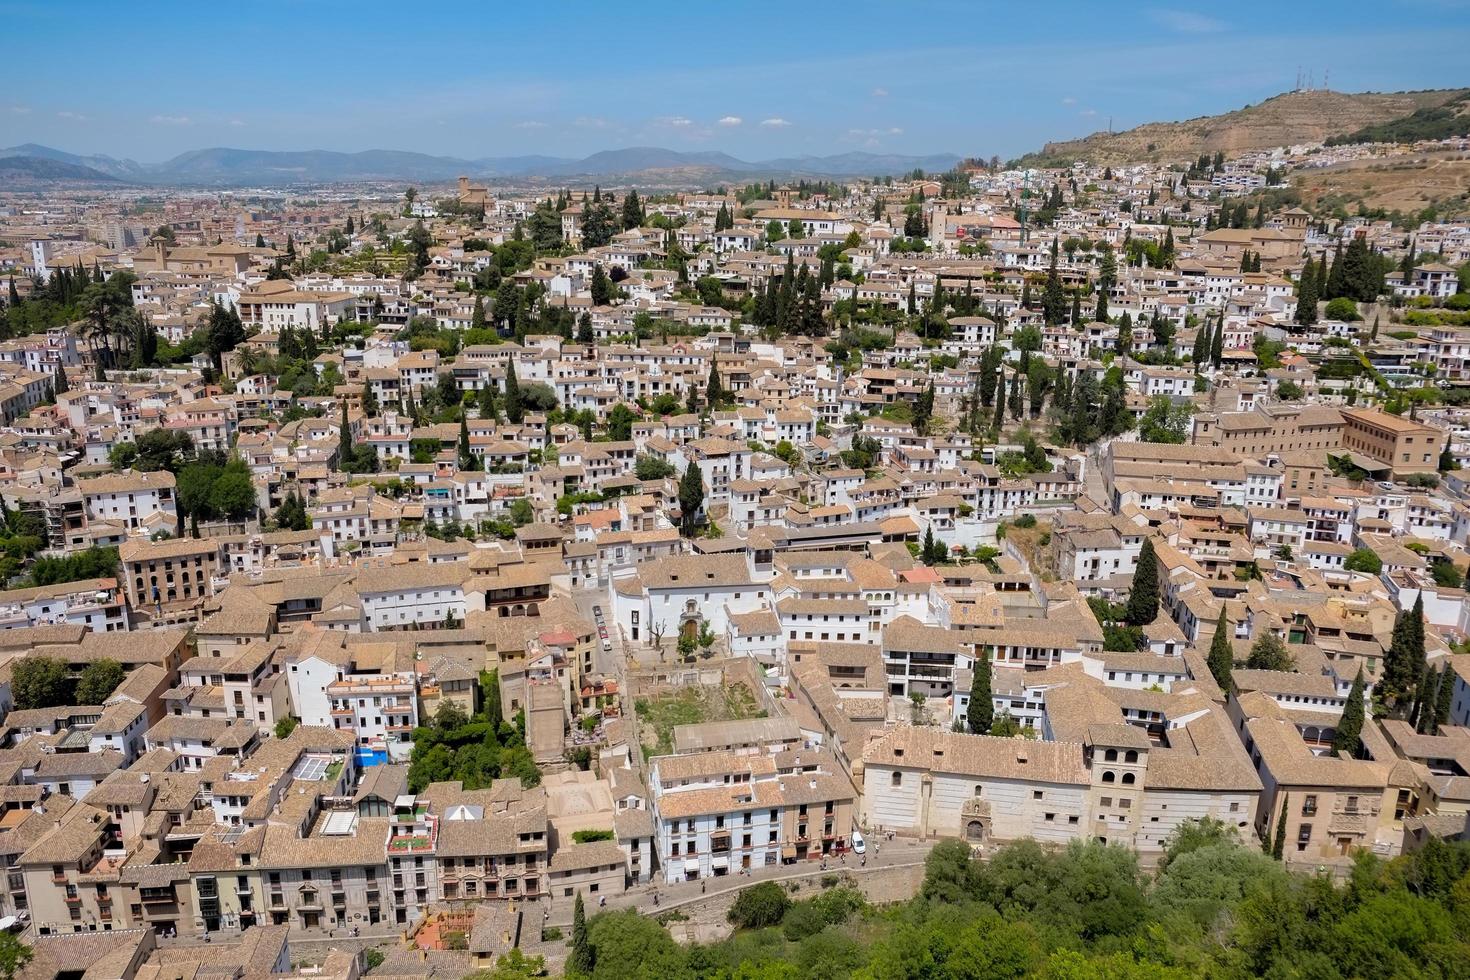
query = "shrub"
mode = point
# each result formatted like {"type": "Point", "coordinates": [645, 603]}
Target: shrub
{"type": "Point", "coordinates": [1343, 308]}
{"type": "Point", "coordinates": [759, 906]}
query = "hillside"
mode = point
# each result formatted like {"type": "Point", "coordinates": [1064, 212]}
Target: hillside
{"type": "Point", "coordinates": [1294, 117]}
{"type": "Point", "coordinates": [40, 168]}
{"type": "Point", "coordinates": [1407, 184]}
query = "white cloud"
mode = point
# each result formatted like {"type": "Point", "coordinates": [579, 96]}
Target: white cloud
{"type": "Point", "coordinates": [1069, 101]}
{"type": "Point", "coordinates": [73, 116]}
{"type": "Point", "coordinates": [891, 131]}
{"type": "Point", "coordinates": [677, 122]}
{"type": "Point", "coordinates": [171, 120]}
{"type": "Point", "coordinates": [731, 120]}
{"type": "Point", "coordinates": [237, 122]}
{"type": "Point", "coordinates": [880, 93]}
{"type": "Point", "coordinates": [20, 110]}
{"type": "Point", "coordinates": [775, 122]}
{"type": "Point", "coordinates": [591, 122]}
{"type": "Point", "coordinates": [1088, 112]}
{"type": "Point", "coordinates": [1188, 22]}
{"type": "Point", "coordinates": [531, 124]}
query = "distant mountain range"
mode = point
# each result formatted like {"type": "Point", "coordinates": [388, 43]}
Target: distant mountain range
{"type": "Point", "coordinates": [45, 168]}
{"type": "Point", "coordinates": [226, 167]}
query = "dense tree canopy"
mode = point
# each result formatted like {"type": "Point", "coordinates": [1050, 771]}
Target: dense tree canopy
{"type": "Point", "coordinates": [1216, 908]}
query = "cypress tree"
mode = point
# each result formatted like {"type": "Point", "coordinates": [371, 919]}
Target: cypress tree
{"type": "Point", "coordinates": [514, 410]}
{"type": "Point", "coordinates": [1076, 309]}
{"type": "Point", "coordinates": [1222, 656]}
{"type": "Point", "coordinates": [1000, 402]}
{"type": "Point", "coordinates": [926, 552]}
{"type": "Point", "coordinates": [691, 496]}
{"type": "Point", "coordinates": [1217, 344]}
{"type": "Point", "coordinates": [1306, 299]}
{"type": "Point", "coordinates": [1143, 594]}
{"type": "Point", "coordinates": [1201, 344]}
{"type": "Point", "coordinates": [1053, 301]}
{"type": "Point", "coordinates": [714, 390]}
{"type": "Point", "coordinates": [1446, 694]}
{"type": "Point", "coordinates": [1278, 844]}
{"type": "Point", "coordinates": [1348, 740]}
{"type": "Point", "coordinates": [981, 711]}
{"type": "Point", "coordinates": [344, 441]}
{"type": "Point", "coordinates": [60, 387]}
{"type": "Point", "coordinates": [583, 957]}
{"type": "Point", "coordinates": [1428, 700]}
{"type": "Point", "coordinates": [1016, 399]}
{"type": "Point", "coordinates": [1322, 278]}
{"type": "Point", "coordinates": [466, 458]}
{"type": "Point", "coordinates": [1336, 285]}
{"type": "Point", "coordinates": [1405, 657]}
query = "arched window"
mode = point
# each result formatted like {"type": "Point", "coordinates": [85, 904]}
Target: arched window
{"type": "Point", "coordinates": [1127, 779]}
{"type": "Point", "coordinates": [1111, 755]}
{"type": "Point", "coordinates": [1110, 776]}
{"type": "Point", "coordinates": [1130, 756]}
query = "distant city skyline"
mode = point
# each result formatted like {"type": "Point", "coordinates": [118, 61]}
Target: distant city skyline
{"type": "Point", "coordinates": [755, 80]}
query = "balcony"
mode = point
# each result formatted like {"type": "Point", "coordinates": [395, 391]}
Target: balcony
{"type": "Point", "coordinates": [157, 896]}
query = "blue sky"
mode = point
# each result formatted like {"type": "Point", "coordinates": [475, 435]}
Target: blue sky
{"type": "Point", "coordinates": [756, 79]}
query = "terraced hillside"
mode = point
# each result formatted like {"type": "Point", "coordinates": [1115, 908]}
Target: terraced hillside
{"type": "Point", "coordinates": [1294, 117]}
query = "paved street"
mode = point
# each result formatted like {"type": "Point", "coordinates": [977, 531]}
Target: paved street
{"type": "Point", "coordinates": [887, 855]}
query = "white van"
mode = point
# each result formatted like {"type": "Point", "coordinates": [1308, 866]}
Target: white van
{"type": "Point", "coordinates": [859, 846]}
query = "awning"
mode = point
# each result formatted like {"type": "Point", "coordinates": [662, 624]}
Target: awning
{"type": "Point", "coordinates": [719, 862]}
{"type": "Point", "coordinates": [788, 852]}
{"type": "Point", "coordinates": [691, 865]}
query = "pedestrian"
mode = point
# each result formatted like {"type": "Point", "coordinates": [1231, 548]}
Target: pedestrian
{"type": "Point", "coordinates": [701, 888]}
{"type": "Point", "coordinates": [865, 861]}
{"type": "Point", "coordinates": [602, 901]}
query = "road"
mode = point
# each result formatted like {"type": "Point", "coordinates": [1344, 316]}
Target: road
{"type": "Point", "coordinates": [900, 853]}
{"type": "Point", "coordinates": [613, 663]}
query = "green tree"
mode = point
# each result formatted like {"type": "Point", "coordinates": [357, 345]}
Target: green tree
{"type": "Point", "coordinates": [924, 409]}
{"type": "Point", "coordinates": [285, 726]}
{"type": "Point", "coordinates": [40, 682]}
{"type": "Point", "coordinates": [714, 390]}
{"type": "Point", "coordinates": [1364, 560]}
{"type": "Point", "coordinates": [1269, 653]}
{"type": "Point", "coordinates": [1405, 658]}
{"type": "Point", "coordinates": [466, 460]}
{"type": "Point", "coordinates": [515, 411]}
{"type": "Point", "coordinates": [632, 211]}
{"type": "Point", "coordinates": [1444, 699]}
{"type": "Point", "coordinates": [1143, 594]}
{"type": "Point", "coordinates": [949, 873]}
{"type": "Point", "coordinates": [583, 958]}
{"type": "Point", "coordinates": [759, 906]}
{"type": "Point", "coordinates": [691, 496]}
{"type": "Point", "coordinates": [99, 680]}
{"type": "Point", "coordinates": [1165, 421]}
{"type": "Point", "coordinates": [14, 955]}
{"type": "Point", "coordinates": [344, 438]}
{"type": "Point", "coordinates": [652, 468]}
{"type": "Point", "coordinates": [1348, 738]}
{"type": "Point", "coordinates": [233, 492]}
{"type": "Point", "coordinates": [601, 287]}
{"type": "Point", "coordinates": [1053, 300]}
{"type": "Point", "coordinates": [1222, 655]}
{"type": "Point", "coordinates": [1306, 299]}
{"type": "Point", "coordinates": [980, 713]}
{"type": "Point", "coordinates": [1278, 842]}
{"type": "Point", "coordinates": [620, 423]}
